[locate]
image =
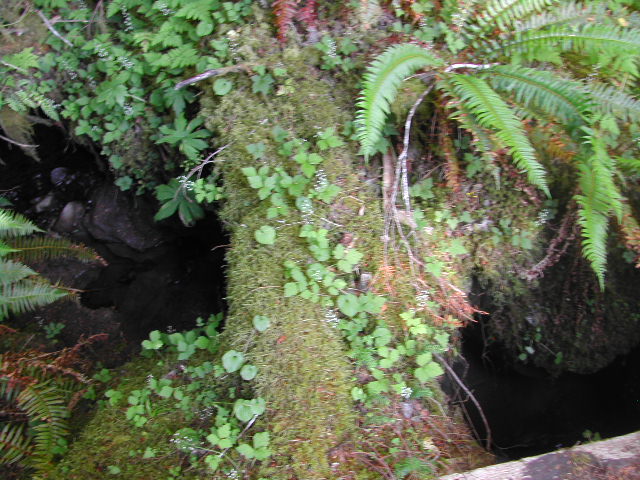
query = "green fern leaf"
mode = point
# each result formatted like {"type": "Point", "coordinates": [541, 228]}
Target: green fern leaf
{"type": "Point", "coordinates": [629, 165]}
{"type": "Point", "coordinates": [381, 83]}
{"type": "Point", "coordinates": [11, 272]}
{"type": "Point", "coordinates": [599, 197]}
{"type": "Point", "coordinates": [544, 91]}
{"type": "Point", "coordinates": [613, 101]}
{"type": "Point", "coordinates": [563, 14]}
{"type": "Point", "coordinates": [505, 13]}
{"type": "Point", "coordinates": [596, 39]}
{"type": "Point", "coordinates": [198, 10]}
{"type": "Point", "coordinates": [26, 295]}
{"type": "Point", "coordinates": [38, 248]}
{"type": "Point", "coordinates": [46, 408]}
{"type": "Point", "coordinates": [14, 225]}
{"type": "Point", "coordinates": [14, 444]}
{"type": "Point", "coordinates": [493, 113]}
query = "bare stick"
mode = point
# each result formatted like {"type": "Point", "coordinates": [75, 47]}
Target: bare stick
{"type": "Point", "coordinates": [23, 145]}
{"type": "Point", "coordinates": [446, 366]}
{"type": "Point", "coordinates": [210, 73]}
{"type": "Point", "coordinates": [402, 159]}
{"type": "Point", "coordinates": [52, 28]}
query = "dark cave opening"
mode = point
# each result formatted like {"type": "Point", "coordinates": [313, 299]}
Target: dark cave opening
{"type": "Point", "coordinates": [530, 411]}
{"type": "Point", "coordinates": [159, 276]}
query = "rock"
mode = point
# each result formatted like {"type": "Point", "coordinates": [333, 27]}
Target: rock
{"type": "Point", "coordinates": [70, 218]}
{"type": "Point", "coordinates": [116, 218]}
{"type": "Point", "coordinates": [45, 204]}
{"type": "Point", "coordinates": [59, 175]}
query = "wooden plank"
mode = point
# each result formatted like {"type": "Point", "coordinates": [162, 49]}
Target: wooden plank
{"type": "Point", "coordinates": [613, 459]}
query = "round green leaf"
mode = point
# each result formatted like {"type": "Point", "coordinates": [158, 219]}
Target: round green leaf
{"type": "Point", "coordinates": [222, 86]}
{"type": "Point", "coordinates": [261, 323]}
{"type": "Point", "coordinates": [349, 304]}
{"type": "Point", "coordinates": [266, 235]}
{"type": "Point", "coordinates": [232, 361]}
{"type": "Point", "coordinates": [249, 372]}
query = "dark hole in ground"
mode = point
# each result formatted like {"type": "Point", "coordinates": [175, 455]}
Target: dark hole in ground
{"type": "Point", "coordinates": [531, 412]}
{"type": "Point", "coordinates": [159, 276]}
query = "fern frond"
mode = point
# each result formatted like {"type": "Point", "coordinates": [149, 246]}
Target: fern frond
{"type": "Point", "coordinates": [629, 165]}
{"type": "Point", "coordinates": [11, 272]}
{"type": "Point", "coordinates": [45, 407]}
{"type": "Point", "coordinates": [27, 295]}
{"type": "Point", "coordinates": [15, 225]}
{"type": "Point", "coordinates": [606, 39]}
{"type": "Point", "coordinates": [308, 15]}
{"type": "Point", "coordinates": [15, 446]}
{"type": "Point", "coordinates": [598, 199]}
{"type": "Point", "coordinates": [505, 13]}
{"type": "Point", "coordinates": [381, 83]}
{"type": "Point", "coordinates": [35, 249]}
{"type": "Point", "coordinates": [563, 14]}
{"type": "Point", "coordinates": [284, 11]}
{"type": "Point", "coordinates": [612, 100]}
{"type": "Point", "coordinates": [493, 113]}
{"type": "Point", "coordinates": [540, 90]}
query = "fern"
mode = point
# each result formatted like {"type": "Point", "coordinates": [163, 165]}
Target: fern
{"type": "Point", "coordinates": [284, 11]}
{"type": "Point", "coordinates": [564, 14]}
{"type": "Point", "coordinates": [15, 445]}
{"type": "Point", "coordinates": [609, 40]}
{"type": "Point", "coordinates": [39, 248]}
{"type": "Point", "coordinates": [11, 272]}
{"type": "Point", "coordinates": [14, 225]}
{"type": "Point", "coordinates": [46, 408]}
{"type": "Point", "coordinates": [505, 13]}
{"type": "Point", "coordinates": [381, 83]}
{"type": "Point", "coordinates": [492, 112]}
{"type": "Point", "coordinates": [25, 296]}
{"type": "Point", "coordinates": [560, 98]}
{"type": "Point", "coordinates": [614, 101]}
{"type": "Point", "coordinates": [598, 199]}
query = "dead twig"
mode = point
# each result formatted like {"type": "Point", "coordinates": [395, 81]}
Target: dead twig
{"type": "Point", "coordinates": [457, 379]}
{"type": "Point", "coordinates": [52, 29]}
{"type": "Point", "coordinates": [211, 73]}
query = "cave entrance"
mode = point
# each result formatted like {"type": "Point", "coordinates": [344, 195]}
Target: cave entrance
{"type": "Point", "coordinates": [159, 276]}
{"type": "Point", "coordinates": [530, 411]}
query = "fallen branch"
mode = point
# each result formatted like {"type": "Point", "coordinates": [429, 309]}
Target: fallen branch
{"type": "Point", "coordinates": [211, 73]}
{"type": "Point", "coordinates": [52, 29]}
{"type": "Point", "coordinates": [23, 145]}
{"type": "Point", "coordinates": [457, 379]}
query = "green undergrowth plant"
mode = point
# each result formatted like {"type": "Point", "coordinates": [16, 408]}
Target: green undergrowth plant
{"type": "Point", "coordinates": [118, 85]}
{"type": "Point", "coordinates": [394, 355]}
{"type": "Point", "coordinates": [215, 431]}
{"type": "Point", "coordinates": [512, 66]}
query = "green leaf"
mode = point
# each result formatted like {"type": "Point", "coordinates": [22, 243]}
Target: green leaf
{"type": "Point", "coordinates": [222, 86]}
{"type": "Point", "coordinates": [261, 322]}
{"type": "Point", "coordinates": [246, 450]}
{"type": "Point", "coordinates": [248, 372]}
{"type": "Point", "coordinates": [232, 361]}
{"type": "Point", "coordinates": [349, 304]}
{"type": "Point", "coordinates": [262, 83]}
{"type": "Point", "coordinates": [428, 371]}
{"type": "Point", "coordinates": [261, 440]}
{"type": "Point", "coordinates": [290, 289]}
{"type": "Point", "coordinates": [266, 235]}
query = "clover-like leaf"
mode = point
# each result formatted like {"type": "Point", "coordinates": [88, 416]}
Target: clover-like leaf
{"type": "Point", "coordinates": [261, 323]}
{"type": "Point", "coordinates": [266, 235]}
{"type": "Point", "coordinates": [232, 360]}
{"type": "Point", "coordinates": [248, 372]}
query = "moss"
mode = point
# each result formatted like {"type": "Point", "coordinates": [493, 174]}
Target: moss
{"type": "Point", "coordinates": [304, 373]}
{"type": "Point", "coordinates": [109, 439]}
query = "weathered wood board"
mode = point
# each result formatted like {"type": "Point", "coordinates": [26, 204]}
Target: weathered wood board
{"type": "Point", "coordinates": [613, 459]}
